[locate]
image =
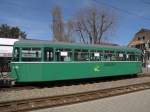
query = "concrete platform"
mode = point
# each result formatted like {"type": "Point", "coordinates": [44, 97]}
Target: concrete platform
{"type": "Point", "coordinates": [133, 102]}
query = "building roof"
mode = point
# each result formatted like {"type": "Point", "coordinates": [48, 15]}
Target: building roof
{"type": "Point", "coordinates": [6, 46]}
{"type": "Point", "coordinates": [7, 41]}
{"type": "Point", "coordinates": [135, 42]}
{"type": "Point", "coordinates": [143, 30]}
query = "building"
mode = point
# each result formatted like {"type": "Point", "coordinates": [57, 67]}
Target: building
{"type": "Point", "coordinates": [141, 41]}
{"type": "Point", "coordinates": [6, 48]}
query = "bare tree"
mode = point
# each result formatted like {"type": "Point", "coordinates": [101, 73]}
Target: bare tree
{"type": "Point", "coordinates": [62, 31]}
{"type": "Point", "coordinates": [92, 23]}
{"type": "Point", "coordinates": [69, 30]}
{"type": "Point", "coordinates": [57, 24]}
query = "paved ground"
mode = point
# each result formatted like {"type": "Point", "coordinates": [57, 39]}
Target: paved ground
{"type": "Point", "coordinates": [146, 70]}
{"type": "Point", "coordinates": [133, 102]}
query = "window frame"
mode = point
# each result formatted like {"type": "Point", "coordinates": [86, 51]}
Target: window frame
{"type": "Point", "coordinates": [37, 58]}
{"type": "Point", "coordinates": [14, 57]}
{"type": "Point", "coordinates": [68, 58]}
{"type": "Point", "coordinates": [48, 59]}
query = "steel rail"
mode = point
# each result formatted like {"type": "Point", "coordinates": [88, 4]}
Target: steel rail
{"type": "Point", "coordinates": [47, 102]}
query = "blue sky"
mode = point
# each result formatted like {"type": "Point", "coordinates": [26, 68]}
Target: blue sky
{"type": "Point", "coordinates": [34, 16]}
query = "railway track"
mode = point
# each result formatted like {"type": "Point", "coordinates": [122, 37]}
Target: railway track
{"type": "Point", "coordinates": [45, 102]}
{"type": "Point", "coordinates": [66, 83]}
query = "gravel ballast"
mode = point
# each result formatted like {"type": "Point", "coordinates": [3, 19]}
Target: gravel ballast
{"type": "Point", "coordinates": [55, 91]}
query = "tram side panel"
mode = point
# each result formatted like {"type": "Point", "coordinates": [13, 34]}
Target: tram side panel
{"type": "Point", "coordinates": [37, 72]}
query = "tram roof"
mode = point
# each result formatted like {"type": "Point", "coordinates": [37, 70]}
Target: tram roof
{"type": "Point", "coordinates": [44, 43]}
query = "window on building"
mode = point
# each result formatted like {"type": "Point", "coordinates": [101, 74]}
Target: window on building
{"type": "Point", "coordinates": [139, 38]}
{"type": "Point", "coordinates": [148, 45]}
{"type": "Point", "coordinates": [148, 56]}
{"type": "Point", "coordinates": [143, 38]}
{"type": "Point", "coordinates": [137, 46]}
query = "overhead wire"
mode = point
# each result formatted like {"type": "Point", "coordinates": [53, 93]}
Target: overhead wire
{"type": "Point", "coordinates": [121, 10]}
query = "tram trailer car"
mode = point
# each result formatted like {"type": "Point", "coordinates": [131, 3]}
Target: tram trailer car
{"type": "Point", "coordinates": [39, 61]}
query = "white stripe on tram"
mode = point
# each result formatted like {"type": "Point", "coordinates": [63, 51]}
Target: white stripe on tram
{"type": "Point", "coordinates": [76, 62]}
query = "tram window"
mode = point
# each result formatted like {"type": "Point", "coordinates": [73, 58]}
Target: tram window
{"type": "Point", "coordinates": [131, 56]}
{"type": "Point", "coordinates": [81, 55]}
{"type": "Point", "coordinates": [63, 54]}
{"type": "Point", "coordinates": [16, 54]}
{"type": "Point", "coordinates": [140, 57]}
{"type": "Point", "coordinates": [112, 56]}
{"type": "Point", "coordinates": [121, 56]}
{"type": "Point", "coordinates": [95, 55]}
{"type": "Point", "coordinates": [137, 57]}
{"type": "Point", "coordinates": [48, 54]}
{"type": "Point", "coordinates": [109, 56]}
{"type": "Point", "coordinates": [31, 54]}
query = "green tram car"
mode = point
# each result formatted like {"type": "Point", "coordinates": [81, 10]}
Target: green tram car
{"type": "Point", "coordinates": [39, 61]}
